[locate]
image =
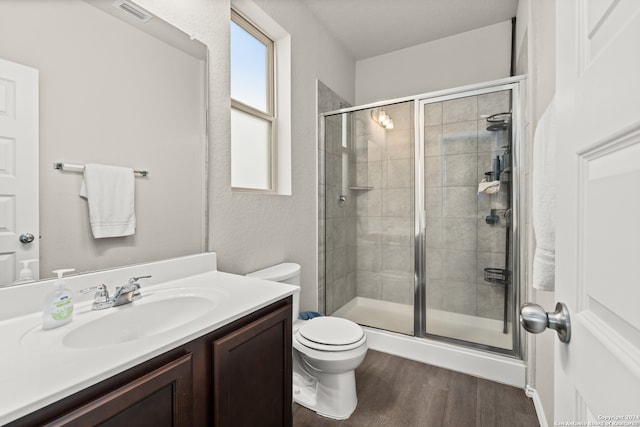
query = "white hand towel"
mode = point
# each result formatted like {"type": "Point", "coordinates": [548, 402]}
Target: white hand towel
{"type": "Point", "coordinates": [488, 187]}
{"type": "Point", "coordinates": [544, 200]}
{"type": "Point", "coordinates": [109, 191]}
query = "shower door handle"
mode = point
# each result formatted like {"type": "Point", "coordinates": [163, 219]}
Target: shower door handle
{"type": "Point", "coordinates": [534, 319]}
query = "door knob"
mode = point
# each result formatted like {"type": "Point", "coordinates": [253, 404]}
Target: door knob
{"type": "Point", "coordinates": [534, 319]}
{"type": "Point", "coordinates": [27, 238]}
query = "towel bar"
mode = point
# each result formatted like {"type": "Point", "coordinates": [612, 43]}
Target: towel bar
{"type": "Point", "coordinates": [80, 168]}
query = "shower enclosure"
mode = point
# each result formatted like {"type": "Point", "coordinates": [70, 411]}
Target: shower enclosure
{"type": "Point", "coordinates": [421, 214]}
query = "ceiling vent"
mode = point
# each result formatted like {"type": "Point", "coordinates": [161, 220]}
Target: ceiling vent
{"type": "Point", "coordinates": [133, 10]}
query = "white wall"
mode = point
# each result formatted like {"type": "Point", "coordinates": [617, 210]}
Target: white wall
{"type": "Point", "coordinates": [544, 87]}
{"type": "Point", "coordinates": [535, 41]}
{"type": "Point", "coordinates": [471, 57]}
{"type": "Point", "coordinates": [251, 231]}
{"type": "Point", "coordinates": [107, 96]}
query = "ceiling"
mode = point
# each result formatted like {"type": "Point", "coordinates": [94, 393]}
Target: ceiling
{"type": "Point", "coordinates": [369, 28]}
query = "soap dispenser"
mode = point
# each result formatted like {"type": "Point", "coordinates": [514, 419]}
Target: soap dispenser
{"type": "Point", "coordinates": [58, 305]}
{"type": "Point", "coordinates": [26, 275]}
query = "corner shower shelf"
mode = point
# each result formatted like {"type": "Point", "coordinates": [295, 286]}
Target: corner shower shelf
{"type": "Point", "coordinates": [360, 188]}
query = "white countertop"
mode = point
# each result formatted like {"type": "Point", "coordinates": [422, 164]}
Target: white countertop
{"type": "Point", "coordinates": [37, 369]}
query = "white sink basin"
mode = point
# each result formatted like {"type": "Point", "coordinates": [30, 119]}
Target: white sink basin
{"type": "Point", "coordinates": [157, 312]}
{"type": "Point", "coordinates": [134, 321]}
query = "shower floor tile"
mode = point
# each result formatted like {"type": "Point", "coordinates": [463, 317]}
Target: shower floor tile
{"type": "Point", "coordinates": [396, 317]}
{"type": "Point", "coordinates": [385, 315]}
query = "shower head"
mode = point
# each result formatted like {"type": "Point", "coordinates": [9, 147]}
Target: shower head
{"type": "Point", "coordinates": [500, 121]}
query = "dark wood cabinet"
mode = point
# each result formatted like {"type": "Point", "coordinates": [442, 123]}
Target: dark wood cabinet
{"type": "Point", "coordinates": [252, 373]}
{"type": "Point", "coordinates": [160, 398]}
{"type": "Point", "coordinates": [238, 375]}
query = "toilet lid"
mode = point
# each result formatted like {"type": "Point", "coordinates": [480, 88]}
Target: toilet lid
{"type": "Point", "coordinates": [332, 331]}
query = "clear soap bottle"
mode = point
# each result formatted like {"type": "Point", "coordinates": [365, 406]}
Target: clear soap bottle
{"type": "Point", "coordinates": [26, 275]}
{"type": "Point", "coordinates": [58, 305]}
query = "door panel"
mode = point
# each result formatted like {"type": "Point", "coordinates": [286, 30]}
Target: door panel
{"type": "Point", "coordinates": [18, 167]}
{"type": "Point", "coordinates": [597, 375]}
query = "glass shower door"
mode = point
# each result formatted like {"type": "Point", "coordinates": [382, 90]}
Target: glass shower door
{"type": "Point", "coordinates": [467, 180]}
{"type": "Point", "coordinates": [369, 210]}
{"type": "Point", "coordinates": [419, 236]}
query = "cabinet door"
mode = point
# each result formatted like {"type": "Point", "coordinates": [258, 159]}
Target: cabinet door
{"type": "Point", "coordinates": [252, 373]}
{"type": "Point", "coordinates": [160, 398]}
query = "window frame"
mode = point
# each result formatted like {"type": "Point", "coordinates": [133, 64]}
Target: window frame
{"type": "Point", "coordinates": [269, 115]}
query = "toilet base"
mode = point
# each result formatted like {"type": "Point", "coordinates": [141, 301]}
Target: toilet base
{"type": "Point", "coordinates": [331, 396]}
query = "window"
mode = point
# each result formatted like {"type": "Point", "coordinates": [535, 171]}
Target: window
{"type": "Point", "coordinates": [253, 119]}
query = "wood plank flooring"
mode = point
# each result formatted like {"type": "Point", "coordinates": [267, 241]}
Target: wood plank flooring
{"type": "Point", "coordinates": [393, 391]}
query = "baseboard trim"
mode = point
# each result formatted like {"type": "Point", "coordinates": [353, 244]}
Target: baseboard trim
{"type": "Point", "coordinates": [537, 404]}
{"type": "Point", "coordinates": [505, 370]}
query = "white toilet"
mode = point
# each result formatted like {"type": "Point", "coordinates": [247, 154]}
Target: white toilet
{"type": "Point", "coordinates": [326, 351]}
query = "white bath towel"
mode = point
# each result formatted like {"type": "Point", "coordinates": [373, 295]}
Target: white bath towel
{"type": "Point", "coordinates": [544, 200]}
{"type": "Point", "coordinates": [109, 191]}
{"type": "Point", "coordinates": [488, 187]}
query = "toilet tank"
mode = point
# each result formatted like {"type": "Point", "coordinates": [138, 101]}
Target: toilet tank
{"type": "Point", "coordinates": [287, 272]}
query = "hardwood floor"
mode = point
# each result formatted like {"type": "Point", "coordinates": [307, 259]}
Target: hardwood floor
{"type": "Point", "coordinates": [393, 391]}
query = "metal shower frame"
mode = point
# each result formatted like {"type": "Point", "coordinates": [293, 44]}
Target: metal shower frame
{"type": "Point", "coordinates": [518, 196]}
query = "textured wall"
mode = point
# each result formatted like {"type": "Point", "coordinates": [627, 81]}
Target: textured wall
{"type": "Point", "coordinates": [252, 231]}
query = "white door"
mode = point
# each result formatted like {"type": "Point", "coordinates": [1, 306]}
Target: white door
{"type": "Point", "coordinates": [18, 169]}
{"type": "Point", "coordinates": [597, 374]}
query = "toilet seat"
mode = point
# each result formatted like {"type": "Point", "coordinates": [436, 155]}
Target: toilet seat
{"type": "Point", "coordinates": [330, 334]}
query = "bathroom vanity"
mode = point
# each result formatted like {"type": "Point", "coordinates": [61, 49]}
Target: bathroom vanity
{"type": "Point", "coordinates": [227, 363]}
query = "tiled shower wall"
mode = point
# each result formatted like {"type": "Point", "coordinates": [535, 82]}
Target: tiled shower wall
{"type": "Point", "coordinates": [459, 243]}
{"type": "Point", "coordinates": [385, 205]}
{"type": "Point", "coordinates": [340, 236]}
{"type": "Point", "coordinates": [367, 246]}
{"type": "Point", "coordinates": [336, 224]}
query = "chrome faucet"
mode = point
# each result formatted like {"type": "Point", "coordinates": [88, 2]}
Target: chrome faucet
{"type": "Point", "coordinates": [124, 294]}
